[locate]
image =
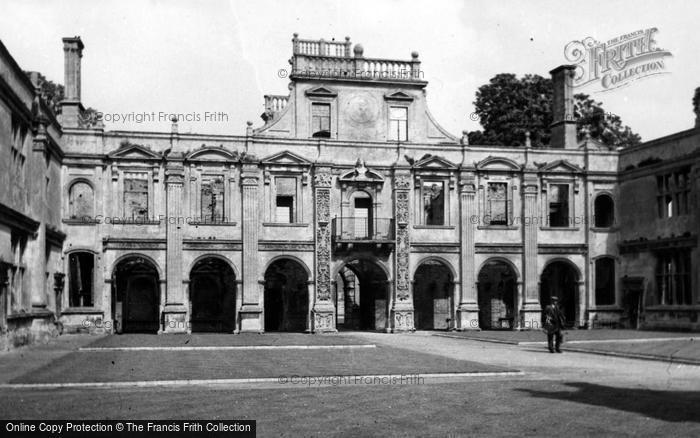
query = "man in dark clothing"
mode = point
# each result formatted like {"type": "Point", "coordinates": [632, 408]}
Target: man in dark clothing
{"type": "Point", "coordinates": [553, 322]}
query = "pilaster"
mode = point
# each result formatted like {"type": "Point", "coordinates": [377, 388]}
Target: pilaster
{"type": "Point", "coordinates": [174, 310]}
{"type": "Point", "coordinates": [250, 314]}
{"type": "Point", "coordinates": [530, 310]}
{"type": "Point", "coordinates": [323, 313]}
{"type": "Point", "coordinates": [402, 318]}
{"type": "Point", "coordinates": [468, 309]}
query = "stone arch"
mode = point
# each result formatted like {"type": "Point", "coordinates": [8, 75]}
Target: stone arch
{"type": "Point", "coordinates": [291, 257]}
{"type": "Point", "coordinates": [136, 294]}
{"type": "Point", "coordinates": [286, 303]}
{"type": "Point", "coordinates": [81, 199]}
{"type": "Point", "coordinates": [433, 294]}
{"type": "Point", "coordinates": [365, 302]}
{"type": "Point", "coordinates": [561, 277]}
{"type": "Point", "coordinates": [212, 295]}
{"type": "Point", "coordinates": [603, 210]}
{"type": "Point", "coordinates": [217, 256]}
{"type": "Point", "coordinates": [497, 290]}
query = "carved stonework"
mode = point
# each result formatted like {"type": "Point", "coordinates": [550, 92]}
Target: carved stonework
{"type": "Point", "coordinates": [403, 320]}
{"type": "Point", "coordinates": [402, 208]}
{"type": "Point", "coordinates": [323, 206]}
{"type": "Point", "coordinates": [402, 275]}
{"type": "Point", "coordinates": [323, 179]}
{"type": "Point", "coordinates": [323, 266]}
{"type": "Point", "coordinates": [323, 321]}
{"type": "Point", "coordinates": [249, 182]}
{"type": "Point", "coordinates": [402, 182]}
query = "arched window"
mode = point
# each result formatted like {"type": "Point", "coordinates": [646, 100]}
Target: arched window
{"type": "Point", "coordinates": [605, 281]}
{"type": "Point", "coordinates": [81, 267]}
{"type": "Point", "coordinates": [81, 200]}
{"type": "Point", "coordinates": [604, 211]}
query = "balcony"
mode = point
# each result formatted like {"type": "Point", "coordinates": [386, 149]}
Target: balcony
{"type": "Point", "coordinates": [365, 233]}
{"type": "Point", "coordinates": [334, 60]}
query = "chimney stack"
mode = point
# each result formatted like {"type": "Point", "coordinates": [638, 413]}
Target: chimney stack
{"type": "Point", "coordinates": [563, 124]}
{"type": "Point", "coordinates": [71, 106]}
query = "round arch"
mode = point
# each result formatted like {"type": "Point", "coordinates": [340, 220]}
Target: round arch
{"type": "Point", "coordinates": [433, 294]}
{"type": "Point", "coordinates": [497, 293]}
{"type": "Point", "coordinates": [427, 259]}
{"type": "Point", "coordinates": [136, 294]}
{"type": "Point", "coordinates": [289, 257]}
{"type": "Point", "coordinates": [361, 294]}
{"type": "Point", "coordinates": [215, 256]}
{"type": "Point", "coordinates": [566, 261]}
{"type": "Point", "coordinates": [149, 259]}
{"type": "Point", "coordinates": [212, 295]}
{"type": "Point", "coordinates": [381, 265]}
{"type": "Point", "coordinates": [561, 277]}
{"type": "Point", "coordinates": [286, 300]}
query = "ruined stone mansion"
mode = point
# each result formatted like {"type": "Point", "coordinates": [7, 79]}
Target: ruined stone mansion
{"type": "Point", "coordinates": [349, 208]}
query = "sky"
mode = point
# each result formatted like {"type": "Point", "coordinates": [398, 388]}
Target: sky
{"type": "Point", "coordinates": [216, 56]}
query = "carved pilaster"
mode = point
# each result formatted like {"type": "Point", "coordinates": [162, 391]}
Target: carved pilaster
{"type": "Point", "coordinates": [250, 312]}
{"type": "Point", "coordinates": [530, 310]}
{"type": "Point", "coordinates": [402, 309]}
{"type": "Point", "coordinates": [174, 310]}
{"type": "Point", "coordinates": [323, 307]}
{"type": "Point", "coordinates": [468, 310]}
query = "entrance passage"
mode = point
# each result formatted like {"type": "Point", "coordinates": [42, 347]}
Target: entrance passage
{"type": "Point", "coordinates": [286, 297]}
{"type": "Point", "coordinates": [136, 295]}
{"type": "Point", "coordinates": [432, 296]}
{"type": "Point", "coordinates": [361, 296]}
{"type": "Point", "coordinates": [212, 296]}
{"type": "Point", "coordinates": [561, 279]}
{"type": "Point", "coordinates": [496, 294]}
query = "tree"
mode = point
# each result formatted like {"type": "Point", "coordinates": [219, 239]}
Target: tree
{"type": "Point", "coordinates": [508, 107]}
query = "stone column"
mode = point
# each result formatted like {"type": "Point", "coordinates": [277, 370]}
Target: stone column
{"type": "Point", "coordinates": [530, 310]}
{"type": "Point", "coordinates": [323, 314]}
{"type": "Point", "coordinates": [468, 309]}
{"type": "Point", "coordinates": [402, 304]}
{"type": "Point", "coordinates": [174, 310]}
{"type": "Point", "coordinates": [251, 311]}
{"type": "Point", "coordinates": [36, 247]}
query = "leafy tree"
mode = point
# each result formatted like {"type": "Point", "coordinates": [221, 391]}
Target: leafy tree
{"type": "Point", "coordinates": [508, 107]}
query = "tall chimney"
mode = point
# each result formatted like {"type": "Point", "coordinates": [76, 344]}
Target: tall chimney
{"type": "Point", "coordinates": [71, 106]}
{"type": "Point", "coordinates": [563, 124]}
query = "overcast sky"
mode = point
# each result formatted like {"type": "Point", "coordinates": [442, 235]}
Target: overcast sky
{"type": "Point", "coordinates": [192, 57]}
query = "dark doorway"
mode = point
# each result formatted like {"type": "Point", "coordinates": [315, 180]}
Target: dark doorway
{"type": "Point", "coordinates": [496, 295]}
{"type": "Point", "coordinates": [633, 289]}
{"type": "Point", "coordinates": [363, 217]}
{"type": "Point", "coordinates": [136, 302]}
{"type": "Point", "coordinates": [212, 296]}
{"type": "Point", "coordinates": [362, 295]}
{"type": "Point", "coordinates": [561, 279]}
{"type": "Point", "coordinates": [432, 297]}
{"type": "Point", "coordinates": [286, 297]}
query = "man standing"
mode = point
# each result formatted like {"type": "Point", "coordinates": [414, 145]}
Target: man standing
{"type": "Point", "coordinates": [553, 322]}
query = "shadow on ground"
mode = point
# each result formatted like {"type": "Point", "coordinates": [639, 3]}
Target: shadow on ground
{"type": "Point", "coordinates": [676, 406]}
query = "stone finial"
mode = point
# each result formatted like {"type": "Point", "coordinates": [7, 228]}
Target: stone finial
{"type": "Point", "coordinates": [465, 138]}
{"type": "Point", "coordinates": [414, 55]}
{"type": "Point", "coordinates": [696, 107]}
{"type": "Point", "coordinates": [249, 128]}
{"type": "Point", "coordinates": [358, 50]}
{"type": "Point", "coordinates": [173, 126]}
{"type": "Point", "coordinates": [528, 143]}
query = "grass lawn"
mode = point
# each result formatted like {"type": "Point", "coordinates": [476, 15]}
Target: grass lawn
{"type": "Point", "coordinates": [115, 366]}
{"type": "Point", "coordinates": [686, 350]}
{"type": "Point", "coordinates": [222, 339]}
{"type": "Point", "coordinates": [515, 337]}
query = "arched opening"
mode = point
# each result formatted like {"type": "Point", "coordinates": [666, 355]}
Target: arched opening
{"type": "Point", "coordinates": [604, 211]}
{"type": "Point", "coordinates": [497, 289]}
{"type": "Point", "coordinates": [81, 201]}
{"type": "Point", "coordinates": [81, 268]}
{"type": "Point", "coordinates": [361, 296]}
{"type": "Point", "coordinates": [362, 215]}
{"type": "Point", "coordinates": [432, 296]}
{"type": "Point", "coordinates": [212, 296]}
{"type": "Point", "coordinates": [286, 297]}
{"type": "Point", "coordinates": [560, 279]}
{"type": "Point", "coordinates": [136, 297]}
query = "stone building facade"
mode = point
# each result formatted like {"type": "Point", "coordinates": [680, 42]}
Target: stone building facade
{"type": "Point", "coordinates": [349, 208]}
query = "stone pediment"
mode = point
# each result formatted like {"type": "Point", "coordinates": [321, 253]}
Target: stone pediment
{"type": "Point", "coordinates": [361, 174]}
{"type": "Point", "coordinates": [559, 166]}
{"type": "Point", "coordinates": [497, 163]}
{"type": "Point", "coordinates": [435, 162]}
{"type": "Point", "coordinates": [130, 151]}
{"type": "Point", "coordinates": [321, 92]}
{"type": "Point", "coordinates": [286, 158]}
{"type": "Point", "coordinates": [212, 153]}
{"type": "Point", "coordinates": [398, 95]}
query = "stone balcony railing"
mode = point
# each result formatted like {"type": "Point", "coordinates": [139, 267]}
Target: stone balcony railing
{"type": "Point", "coordinates": [274, 104]}
{"type": "Point", "coordinates": [328, 60]}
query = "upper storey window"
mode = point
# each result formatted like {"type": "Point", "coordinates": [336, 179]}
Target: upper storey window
{"type": "Point", "coordinates": [136, 195]}
{"type": "Point", "coordinates": [80, 200]}
{"type": "Point", "coordinates": [398, 123]}
{"type": "Point", "coordinates": [213, 199]}
{"type": "Point", "coordinates": [673, 193]}
{"type": "Point", "coordinates": [434, 202]}
{"type": "Point", "coordinates": [497, 207]}
{"type": "Point", "coordinates": [559, 205]}
{"type": "Point", "coordinates": [321, 120]}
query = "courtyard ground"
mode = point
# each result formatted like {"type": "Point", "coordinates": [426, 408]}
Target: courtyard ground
{"type": "Point", "coordinates": [470, 387]}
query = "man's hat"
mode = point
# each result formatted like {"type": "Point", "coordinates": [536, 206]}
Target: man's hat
{"type": "Point", "coordinates": [555, 298]}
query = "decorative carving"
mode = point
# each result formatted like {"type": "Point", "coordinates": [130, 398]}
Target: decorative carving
{"type": "Point", "coordinates": [323, 179]}
{"type": "Point", "coordinates": [402, 208]}
{"type": "Point", "coordinates": [402, 275]}
{"type": "Point", "coordinates": [323, 206]}
{"type": "Point", "coordinates": [403, 320]}
{"type": "Point", "coordinates": [402, 182]}
{"type": "Point", "coordinates": [323, 321]}
{"type": "Point", "coordinates": [323, 266]}
{"type": "Point", "coordinates": [248, 181]}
